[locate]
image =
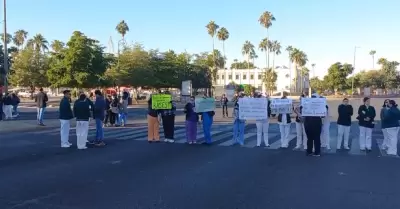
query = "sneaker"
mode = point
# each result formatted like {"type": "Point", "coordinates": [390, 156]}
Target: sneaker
{"type": "Point", "coordinates": [317, 155]}
{"type": "Point", "coordinates": [267, 145]}
{"type": "Point", "coordinates": [346, 147]}
{"type": "Point", "coordinates": [91, 142]}
{"type": "Point", "coordinates": [100, 144]}
{"type": "Point", "coordinates": [65, 146]}
{"type": "Point", "coordinates": [166, 140]}
{"type": "Point", "coordinates": [297, 147]}
{"type": "Point", "coordinates": [81, 148]}
{"type": "Point", "coordinates": [171, 141]}
{"type": "Point", "coordinates": [190, 142]}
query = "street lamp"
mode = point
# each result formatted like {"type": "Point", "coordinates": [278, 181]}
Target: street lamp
{"type": "Point", "coordinates": [5, 61]}
{"type": "Point", "coordinates": [354, 69]}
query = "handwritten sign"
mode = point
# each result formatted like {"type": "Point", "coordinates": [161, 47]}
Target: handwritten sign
{"type": "Point", "coordinates": [253, 108]}
{"type": "Point", "coordinates": [281, 106]}
{"type": "Point", "coordinates": [313, 107]}
{"type": "Point", "coordinates": [161, 101]}
{"type": "Point", "coordinates": [204, 104]}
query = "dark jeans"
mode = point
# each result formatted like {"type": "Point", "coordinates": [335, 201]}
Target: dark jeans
{"type": "Point", "coordinates": [313, 132]}
{"type": "Point", "coordinates": [168, 122]}
{"type": "Point", "coordinates": [224, 110]}
{"type": "Point", "coordinates": [113, 117]}
{"type": "Point", "coordinates": [107, 117]}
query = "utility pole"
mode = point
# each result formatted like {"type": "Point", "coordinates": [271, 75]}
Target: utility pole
{"type": "Point", "coordinates": [5, 64]}
{"type": "Point", "coordinates": [354, 69]}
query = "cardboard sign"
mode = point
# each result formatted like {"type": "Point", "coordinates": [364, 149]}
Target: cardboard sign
{"type": "Point", "coordinates": [161, 101]}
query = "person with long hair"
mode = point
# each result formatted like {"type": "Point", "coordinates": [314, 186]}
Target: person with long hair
{"type": "Point", "coordinates": [366, 116]}
{"type": "Point", "coordinates": [391, 119]}
{"type": "Point", "coordinates": [345, 111]}
{"type": "Point", "coordinates": [153, 130]}
{"type": "Point", "coordinates": [191, 119]}
{"type": "Point", "coordinates": [385, 108]}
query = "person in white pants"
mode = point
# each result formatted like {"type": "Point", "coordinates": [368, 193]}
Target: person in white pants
{"type": "Point", "coordinates": [366, 116]}
{"type": "Point", "coordinates": [82, 112]}
{"type": "Point", "coordinates": [326, 123]}
{"type": "Point", "coordinates": [301, 132]}
{"type": "Point", "coordinates": [284, 122]}
{"type": "Point", "coordinates": [385, 108]}
{"type": "Point", "coordinates": [391, 119]}
{"type": "Point", "coordinates": [66, 115]}
{"type": "Point", "coordinates": [345, 111]}
{"type": "Point", "coordinates": [262, 129]}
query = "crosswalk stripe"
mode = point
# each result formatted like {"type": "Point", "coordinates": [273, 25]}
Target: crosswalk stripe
{"type": "Point", "coordinates": [230, 142]}
{"type": "Point", "coordinates": [277, 143]}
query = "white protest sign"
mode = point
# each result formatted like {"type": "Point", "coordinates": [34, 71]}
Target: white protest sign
{"type": "Point", "coordinates": [253, 108]}
{"type": "Point", "coordinates": [204, 104]}
{"type": "Point", "coordinates": [281, 106]}
{"type": "Point", "coordinates": [313, 107]}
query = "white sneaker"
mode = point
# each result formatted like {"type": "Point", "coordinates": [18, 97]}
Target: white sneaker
{"type": "Point", "coordinates": [346, 147]}
{"type": "Point", "coordinates": [171, 141]}
{"type": "Point", "coordinates": [297, 147]}
{"type": "Point", "coordinates": [69, 143]}
{"type": "Point", "coordinates": [82, 147]}
{"type": "Point", "coordinates": [166, 140]}
{"type": "Point", "coordinates": [65, 146]}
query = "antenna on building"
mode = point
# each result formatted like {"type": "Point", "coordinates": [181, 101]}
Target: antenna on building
{"type": "Point", "coordinates": [110, 46]}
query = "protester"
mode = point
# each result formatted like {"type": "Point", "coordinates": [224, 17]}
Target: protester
{"type": "Point", "coordinates": [98, 114]}
{"type": "Point", "coordinates": [385, 107]}
{"type": "Point", "coordinates": [65, 115]}
{"type": "Point", "coordinates": [41, 103]}
{"type": "Point", "coordinates": [262, 129]}
{"type": "Point", "coordinates": [207, 119]}
{"type": "Point", "coordinates": [300, 130]}
{"type": "Point", "coordinates": [124, 109]}
{"type": "Point", "coordinates": [82, 112]}
{"type": "Point", "coordinates": [238, 126]}
{"type": "Point", "coordinates": [284, 122]}
{"type": "Point", "coordinates": [345, 111]}
{"type": "Point", "coordinates": [391, 119]}
{"type": "Point", "coordinates": [325, 132]}
{"type": "Point", "coordinates": [153, 123]}
{"type": "Point", "coordinates": [7, 106]}
{"type": "Point", "coordinates": [224, 105]}
{"type": "Point", "coordinates": [366, 115]}
{"type": "Point", "coordinates": [191, 120]}
{"type": "Point", "coordinates": [15, 103]}
{"type": "Point", "coordinates": [312, 126]}
{"type": "Point", "coordinates": [168, 121]}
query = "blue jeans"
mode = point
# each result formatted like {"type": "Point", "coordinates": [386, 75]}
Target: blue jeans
{"type": "Point", "coordinates": [15, 109]}
{"type": "Point", "coordinates": [238, 132]}
{"type": "Point", "coordinates": [207, 123]}
{"type": "Point", "coordinates": [99, 130]}
{"type": "Point", "coordinates": [40, 113]}
{"type": "Point", "coordinates": [122, 119]}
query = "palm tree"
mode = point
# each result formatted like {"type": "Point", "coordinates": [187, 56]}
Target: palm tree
{"type": "Point", "coordinates": [122, 28]}
{"type": "Point", "coordinates": [266, 20]}
{"type": "Point", "coordinates": [212, 29]}
{"type": "Point", "coordinates": [20, 38]}
{"type": "Point", "coordinates": [38, 42]}
{"type": "Point", "coordinates": [57, 46]}
{"type": "Point", "coordinates": [8, 38]}
{"type": "Point", "coordinates": [276, 49]}
{"type": "Point", "coordinates": [300, 59]}
{"type": "Point", "coordinates": [247, 49]}
{"type": "Point", "coordinates": [304, 72]}
{"type": "Point", "coordinates": [223, 35]}
{"type": "Point", "coordinates": [372, 53]}
{"type": "Point", "coordinates": [269, 79]}
{"type": "Point", "coordinates": [263, 46]}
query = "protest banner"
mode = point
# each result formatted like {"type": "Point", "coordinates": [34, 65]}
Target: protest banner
{"type": "Point", "coordinates": [253, 108]}
{"type": "Point", "coordinates": [161, 101]}
{"type": "Point", "coordinates": [281, 106]}
{"type": "Point", "coordinates": [313, 107]}
{"type": "Point", "coordinates": [204, 104]}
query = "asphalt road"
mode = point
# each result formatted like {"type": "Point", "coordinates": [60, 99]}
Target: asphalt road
{"type": "Point", "coordinates": [130, 173]}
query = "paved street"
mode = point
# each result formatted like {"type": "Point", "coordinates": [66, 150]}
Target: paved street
{"type": "Point", "coordinates": [130, 173]}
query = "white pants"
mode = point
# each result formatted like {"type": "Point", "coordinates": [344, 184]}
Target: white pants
{"type": "Point", "coordinates": [325, 140]}
{"type": "Point", "coordinates": [7, 109]}
{"type": "Point", "coordinates": [64, 132]}
{"type": "Point", "coordinates": [82, 128]}
{"type": "Point", "coordinates": [262, 131]}
{"type": "Point", "coordinates": [365, 138]}
{"type": "Point", "coordinates": [392, 134]}
{"type": "Point", "coordinates": [385, 143]}
{"type": "Point", "coordinates": [284, 129]}
{"type": "Point", "coordinates": [343, 132]}
{"type": "Point", "coordinates": [301, 135]}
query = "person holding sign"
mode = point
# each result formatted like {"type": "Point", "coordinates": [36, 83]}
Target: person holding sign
{"type": "Point", "coordinates": [366, 116]}
{"type": "Point", "coordinates": [313, 126]}
{"type": "Point", "coordinates": [168, 121]}
{"type": "Point", "coordinates": [262, 129]}
{"type": "Point", "coordinates": [391, 118]}
{"type": "Point", "coordinates": [345, 111]}
{"type": "Point", "coordinates": [284, 122]}
{"type": "Point", "coordinates": [191, 121]}
{"type": "Point", "coordinates": [153, 129]}
{"type": "Point", "coordinates": [238, 126]}
{"type": "Point", "coordinates": [207, 118]}
{"type": "Point", "coordinates": [301, 132]}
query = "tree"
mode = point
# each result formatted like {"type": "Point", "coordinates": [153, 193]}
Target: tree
{"type": "Point", "coordinates": [38, 43]}
{"type": "Point", "coordinates": [247, 49]}
{"type": "Point", "coordinates": [276, 49]}
{"type": "Point", "coordinates": [269, 79]}
{"type": "Point", "coordinates": [263, 46]}
{"type": "Point", "coordinates": [304, 72]}
{"type": "Point", "coordinates": [242, 65]}
{"type": "Point", "coordinates": [122, 28]}
{"type": "Point", "coordinates": [336, 77]}
{"type": "Point", "coordinates": [248, 89]}
{"type": "Point", "coordinates": [300, 59]}
{"type": "Point", "coordinates": [266, 20]}
{"type": "Point", "coordinates": [20, 38]}
{"type": "Point", "coordinates": [57, 46]}
{"type": "Point", "coordinates": [388, 69]}
{"type": "Point", "coordinates": [372, 53]}
{"type": "Point", "coordinates": [223, 35]}
{"type": "Point", "coordinates": [8, 38]}
{"type": "Point", "coordinates": [317, 84]}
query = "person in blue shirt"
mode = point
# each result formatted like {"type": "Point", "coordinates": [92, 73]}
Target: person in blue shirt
{"type": "Point", "coordinates": [391, 119]}
{"type": "Point", "coordinates": [99, 110]}
{"type": "Point", "coordinates": [65, 116]}
{"type": "Point", "coordinates": [207, 118]}
{"type": "Point", "coordinates": [366, 116]}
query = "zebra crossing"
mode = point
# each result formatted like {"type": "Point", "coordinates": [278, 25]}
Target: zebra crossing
{"type": "Point", "coordinates": [222, 136]}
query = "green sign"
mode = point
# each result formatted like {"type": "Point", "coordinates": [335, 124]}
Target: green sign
{"type": "Point", "coordinates": [161, 101]}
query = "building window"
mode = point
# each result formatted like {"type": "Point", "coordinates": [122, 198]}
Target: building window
{"type": "Point", "coordinates": [259, 77]}
{"type": "Point", "coordinates": [230, 77]}
{"type": "Point", "coordinates": [217, 77]}
{"type": "Point", "coordinates": [237, 77]}
{"type": "Point", "coordinates": [251, 77]}
{"type": "Point", "coordinates": [223, 77]}
{"type": "Point", "coordinates": [244, 77]}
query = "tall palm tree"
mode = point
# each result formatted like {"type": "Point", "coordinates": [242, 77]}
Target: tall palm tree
{"type": "Point", "coordinates": [8, 38]}
{"type": "Point", "coordinates": [122, 28]}
{"type": "Point", "coordinates": [38, 42]}
{"type": "Point", "coordinates": [263, 46]}
{"type": "Point", "coordinates": [223, 35]}
{"type": "Point", "coordinates": [300, 59]}
{"type": "Point", "coordinates": [266, 20]}
{"type": "Point", "coordinates": [57, 46]}
{"type": "Point", "coordinates": [212, 29]}
{"type": "Point", "coordinates": [276, 50]}
{"type": "Point", "coordinates": [372, 53]}
{"type": "Point", "coordinates": [247, 49]}
{"type": "Point", "coordinates": [20, 38]}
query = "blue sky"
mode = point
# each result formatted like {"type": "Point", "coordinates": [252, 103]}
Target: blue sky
{"type": "Point", "coordinates": [326, 31]}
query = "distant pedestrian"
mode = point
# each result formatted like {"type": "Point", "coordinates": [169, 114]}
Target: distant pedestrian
{"type": "Point", "coordinates": [385, 108]}
{"type": "Point", "coordinates": [153, 132]}
{"type": "Point", "coordinates": [224, 105]}
{"type": "Point", "coordinates": [115, 106]}
{"type": "Point", "coordinates": [191, 120]}
{"type": "Point", "coordinates": [99, 114]}
{"type": "Point", "coordinates": [107, 118]}
{"type": "Point", "coordinates": [82, 112]}
{"type": "Point", "coordinates": [41, 103]}
{"type": "Point", "coordinates": [366, 116]}
{"type": "Point", "coordinates": [66, 115]}
{"type": "Point", "coordinates": [124, 109]}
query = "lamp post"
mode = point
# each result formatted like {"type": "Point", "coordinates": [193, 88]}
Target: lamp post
{"type": "Point", "coordinates": [354, 69]}
{"type": "Point", "coordinates": [5, 61]}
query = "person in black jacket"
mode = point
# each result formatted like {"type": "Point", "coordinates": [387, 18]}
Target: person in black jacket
{"type": "Point", "coordinates": [66, 115]}
{"type": "Point", "coordinates": [313, 127]}
{"type": "Point", "coordinates": [41, 103]}
{"type": "Point", "coordinates": [82, 112]}
{"type": "Point", "coordinates": [345, 111]}
{"type": "Point", "coordinates": [391, 118]}
{"type": "Point", "coordinates": [385, 107]}
{"type": "Point", "coordinates": [224, 105]}
{"type": "Point", "coordinates": [15, 103]}
{"type": "Point", "coordinates": [366, 116]}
